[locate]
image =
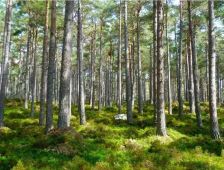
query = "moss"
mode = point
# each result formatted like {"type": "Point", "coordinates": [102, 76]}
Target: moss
{"type": "Point", "coordinates": [19, 166]}
{"type": "Point", "coordinates": [105, 144]}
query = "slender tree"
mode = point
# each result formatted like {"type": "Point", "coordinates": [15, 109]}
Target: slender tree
{"type": "Point", "coordinates": [5, 57]}
{"type": "Point", "coordinates": [190, 79]}
{"type": "Point", "coordinates": [64, 102]}
{"type": "Point", "coordinates": [119, 62]}
{"type": "Point", "coordinates": [128, 78]}
{"type": "Point", "coordinates": [151, 77]}
{"type": "Point", "coordinates": [212, 72]}
{"type": "Point", "coordinates": [161, 120]}
{"type": "Point", "coordinates": [34, 72]}
{"type": "Point", "coordinates": [44, 67]}
{"type": "Point", "coordinates": [195, 69]}
{"type": "Point", "coordinates": [180, 99]}
{"type": "Point", "coordinates": [80, 59]}
{"type": "Point", "coordinates": [140, 91]}
{"type": "Point", "coordinates": [51, 68]}
{"type": "Point", "coordinates": [168, 64]}
{"type": "Point", "coordinates": [26, 86]}
{"type": "Point", "coordinates": [92, 66]}
{"type": "Point", "coordinates": [154, 59]}
{"type": "Point", "coordinates": [100, 96]}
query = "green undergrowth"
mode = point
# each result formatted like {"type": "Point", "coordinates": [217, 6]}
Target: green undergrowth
{"type": "Point", "coordinates": [106, 144]}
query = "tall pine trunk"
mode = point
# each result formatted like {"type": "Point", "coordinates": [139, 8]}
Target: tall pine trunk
{"type": "Point", "coordinates": [26, 86]}
{"type": "Point", "coordinates": [5, 58]}
{"type": "Point", "coordinates": [190, 79]}
{"type": "Point", "coordinates": [212, 73]}
{"type": "Point", "coordinates": [161, 120]}
{"type": "Point", "coordinates": [195, 69]}
{"type": "Point", "coordinates": [180, 98]}
{"type": "Point", "coordinates": [154, 59]}
{"type": "Point", "coordinates": [128, 78]}
{"type": "Point", "coordinates": [65, 79]}
{"type": "Point", "coordinates": [80, 58]}
{"type": "Point", "coordinates": [34, 72]}
{"type": "Point", "coordinates": [119, 64]}
{"type": "Point", "coordinates": [168, 65]}
{"type": "Point", "coordinates": [51, 68]}
{"type": "Point", "coordinates": [100, 96]}
{"type": "Point", "coordinates": [140, 90]}
{"type": "Point", "coordinates": [44, 67]}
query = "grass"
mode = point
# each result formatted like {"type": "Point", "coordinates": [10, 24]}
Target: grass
{"type": "Point", "coordinates": [104, 144]}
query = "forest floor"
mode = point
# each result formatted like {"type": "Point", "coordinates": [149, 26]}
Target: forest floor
{"type": "Point", "coordinates": [104, 144]}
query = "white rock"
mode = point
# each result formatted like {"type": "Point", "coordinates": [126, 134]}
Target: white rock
{"type": "Point", "coordinates": [120, 117]}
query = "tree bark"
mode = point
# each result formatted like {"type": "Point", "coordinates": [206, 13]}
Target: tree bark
{"type": "Point", "coordinates": [161, 120]}
{"type": "Point", "coordinates": [128, 78]}
{"type": "Point", "coordinates": [26, 86]}
{"type": "Point", "coordinates": [92, 81]}
{"type": "Point", "coordinates": [34, 72]}
{"type": "Point", "coordinates": [212, 72]}
{"type": "Point", "coordinates": [80, 58]}
{"type": "Point", "coordinates": [51, 68]}
{"type": "Point", "coordinates": [64, 99]}
{"type": "Point", "coordinates": [195, 69]}
{"type": "Point", "coordinates": [44, 67]}
{"type": "Point", "coordinates": [119, 63]}
{"type": "Point", "coordinates": [5, 58]}
{"type": "Point", "coordinates": [140, 91]}
{"type": "Point", "coordinates": [100, 96]}
{"type": "Point", "coordinates": [154, 60]}
{"type": "Point", "coordinates": [151, 85]}
{"type": "Point", "coordinates": [180, 99]}
{"type": "Point", "coordinates": [190, 81]}
{"type": "Point", "coordinates": [168, 65]}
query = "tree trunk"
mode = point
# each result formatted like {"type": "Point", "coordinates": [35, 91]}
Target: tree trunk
{"type": "Point", "coordinates": [140, 91]}
{"type": "Point", "coordinates": [168, 65]}
{"type": "Point", "coordinates": [44, 67]}
{"type": "Point", "coordinates": [64, 99]}
{"type": "Point", "coordinates": [51, 68]}
{"type": "Point", "coordinates": [128, 78]}
{"type": "Point", "coordinates": [93, 56]}
{"type": "Point", "coordinates": [5, 58]}
{"type": "Point", "coordinates": [155, 59]}
{"type": "Point", "coordinates": [151, 85]}
{"type": "Point", "coordinates": [195, 69]}
{"type": "Point", "coordinates": [26, 87]}
{"type": "Point", "coordinates": [80, 58]}
{"type": "Point", "coordinates": [34, 71]}
{"type": "Point", "coordinates": [119, 63]}
{"type": "Point", "coordinates": [180, 99]}
{"type": "Point", "coordinates": [212, 86]}
{"type": "Point", "coordinates": [218, 79]}
{"type": "Point", "coordinates": [161, 120]}
{"type": "Point", "coordinates": [190, 80]}
{"type": "Point", "coordinates": [100, 97]}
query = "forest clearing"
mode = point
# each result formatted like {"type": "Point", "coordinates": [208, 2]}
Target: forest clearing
{"type": "Point", "coordinates": [111, 85]}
